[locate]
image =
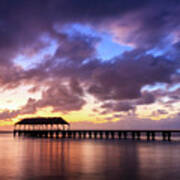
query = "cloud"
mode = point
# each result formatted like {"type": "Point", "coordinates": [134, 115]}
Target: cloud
{"type": "Point", "coordinates": [159, 112]}
{"type": "Point", "coordinates": [131, 123]}
{"type": "Point", "coordinates": [147, 98]}
{"type": "Point", "coordinates": [62, 98]}
{"type": "Point", "coordinates": [77, 48]}
{"type": "Point", "coordinates": [118, 106]}
{"type": "Point", "coordinates": [124, 78]}
{"type": "Point", "coordinates": [28, 27]}
{"type": "Point", "coordinates": [150, 25]}
{"type": "Point", "coordinates": [22, 23]}
{"type": "Point", "coordinates": [8, 115]}
{"type": "Point", "coordinates": [67, 78]}
{"type": "Point", "coordinates": [127, 105]}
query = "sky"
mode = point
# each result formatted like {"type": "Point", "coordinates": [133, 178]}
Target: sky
{"type": "Point", "coordinates": [99, 64]}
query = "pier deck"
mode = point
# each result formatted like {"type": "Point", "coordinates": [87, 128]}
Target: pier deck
{"type": "Point", "coordinates": [99, 134]}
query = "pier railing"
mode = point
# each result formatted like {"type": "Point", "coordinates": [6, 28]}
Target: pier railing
{"type": "Point", "coordinates": [100, 134]}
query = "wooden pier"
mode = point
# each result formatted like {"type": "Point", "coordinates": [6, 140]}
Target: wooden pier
{"type": "Point", "coordinates": [57, 127]}
{"type": "Point", "coordinates": [166, 135]}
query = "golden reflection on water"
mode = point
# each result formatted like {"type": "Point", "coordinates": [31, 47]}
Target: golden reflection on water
{"type": "Point", "coordinates": [26, 159]}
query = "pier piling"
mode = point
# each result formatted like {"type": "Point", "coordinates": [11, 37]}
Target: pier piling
{"type": "Point", "coordinates": [97, 134]}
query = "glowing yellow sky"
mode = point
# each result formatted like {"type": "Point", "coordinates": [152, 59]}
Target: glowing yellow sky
{"type": "Point", "coordinates": [15, 99]}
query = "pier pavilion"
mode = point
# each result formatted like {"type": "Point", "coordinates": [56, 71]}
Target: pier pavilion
{"type": "Point", "coordinates": [41, 123]}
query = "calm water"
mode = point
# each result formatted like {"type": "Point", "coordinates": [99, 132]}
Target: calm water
{"type": "Point", "coordinates": [51, 159]}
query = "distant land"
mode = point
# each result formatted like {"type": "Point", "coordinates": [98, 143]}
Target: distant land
{"type": "Point", "coordinates": [6, 132]}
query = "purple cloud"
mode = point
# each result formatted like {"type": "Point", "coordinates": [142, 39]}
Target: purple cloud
{"type": "Point", "coordinates": [74, 69]}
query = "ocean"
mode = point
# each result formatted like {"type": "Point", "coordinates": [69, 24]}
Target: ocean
{"type": "Point", "coordinates": [87, 159]}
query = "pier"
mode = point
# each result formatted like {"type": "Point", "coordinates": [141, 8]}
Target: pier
{"type": "Point", "coordinates": [59, 128]}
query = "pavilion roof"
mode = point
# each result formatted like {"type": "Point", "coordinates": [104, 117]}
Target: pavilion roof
{"type": "Point", "coordinates": [43, 120]}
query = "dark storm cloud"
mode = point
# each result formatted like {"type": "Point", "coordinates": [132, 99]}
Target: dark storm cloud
{"type": "Point", "coordinates": [71, 9]}
{"type": "Point", "coordinates": [22, 22]}
{"type": "Point", "coordinates": [127, 105]}
{"type": "Point", "coordinates": [77, 48]}
{"type": "Point", "coordinates": [118, 107]}
{"type": "Point", "coordinates": [124, 78]}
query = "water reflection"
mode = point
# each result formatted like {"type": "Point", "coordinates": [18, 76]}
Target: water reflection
{"type": "Point", "coordinates": [29, 159]}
